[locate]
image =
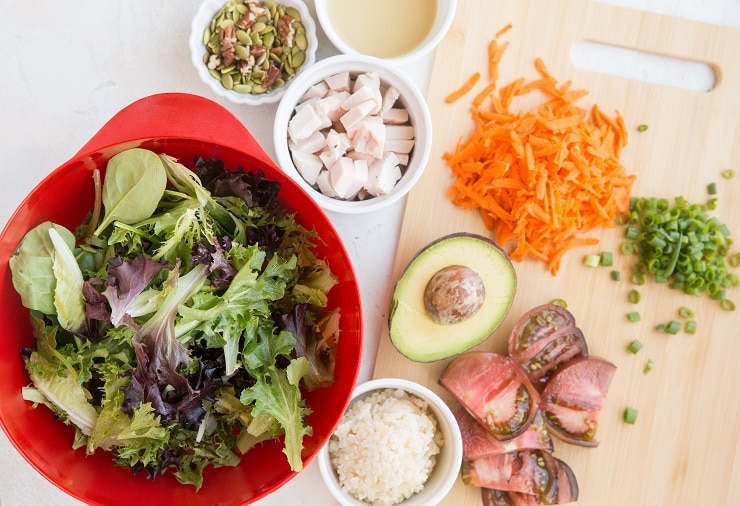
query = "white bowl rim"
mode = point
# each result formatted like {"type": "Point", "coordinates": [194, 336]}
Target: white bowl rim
{"type": "Point", "coordinates": [203, 17]}
{"type": "Point", "coordinates": [434, 401]}
{"type": "Point", "coordinates": [359, 63]}
{"type": "Point", "coordinates": [445, 15]}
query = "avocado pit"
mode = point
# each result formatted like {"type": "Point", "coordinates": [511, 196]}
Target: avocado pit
{"type": "Point", "coordinates": [454, 294]}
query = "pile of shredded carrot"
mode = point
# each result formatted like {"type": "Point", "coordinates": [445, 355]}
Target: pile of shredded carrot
{"type": "Point", "coordinates": [540, 178]}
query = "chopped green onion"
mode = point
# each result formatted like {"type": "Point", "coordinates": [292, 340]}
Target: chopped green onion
{"type": "Point", "coordinates": [634, 346]}
{"type": "Point", "coordinates": [607, 259]}
{"type": "Point", "coordinates": [685, 312]}
{"type": "Point", "coordinates": [633, 316]}
{"type": "Point", "coordinates": [630, 415]}
{"type": "Point", "coordinates": [649, 365]}
{"type": "Point", "coordinates": [673, 327]}
{"type": "Point", "coordinates": [681, 245]}
{"type": "Point", "coordinates": [615, 275]}
{"type": "Point", "coordinates": [559, 302]}
{"type": "Point", "coordinates": [634, 296]}
{"type": "Point", "coordinates": [691, 327]}
{"type": "Point", "coordinates": [728, 173]}
{"type": "Point", "coordinates": [642, 128]}
{"type": "Point", "coordinates": [712, 188]}
{"type": "Point", "coordinates": [592, 260]}
{"type": "Point", "coordinates": [727, 304]}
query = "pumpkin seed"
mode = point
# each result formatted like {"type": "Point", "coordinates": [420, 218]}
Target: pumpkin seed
{"type": "Point", "coordinates": [227, 70]}
{"type": "Point", "coordinates": [215, 74]}
{"type": "Point", "coordinates": [241, 52]}
{"type": "Point", "coordinates": [207, 35]}
{"type": "Point", "coordinates": [258, 26]}
{"type": "Point", "coordinates": [243, 37]}
{"type": "Point", "coordinates": [279, 82]}
{"type": "Point", "coordinates": [258, 88]}
{"type": "Point", "coordinates": [256, 39]}
{"type": "Point", "coordinates": [268, 39]}
{"type": "Point", "coordinates": [242, 88]}
{"type": "Point", "coordinates": [242, 9]}
{"type": "Point", "coordinates": [298, 59]}
{"type": "Point", "coordinates": [226, 23]}
{"type": "Point", "coordinates": [227, 81]}
{"type": "Point", "coordinates": [301, 41]}
{"type": "Point", "coordinates": [291, 11]}
{"type": "Point", "coordinates": [261, 59]}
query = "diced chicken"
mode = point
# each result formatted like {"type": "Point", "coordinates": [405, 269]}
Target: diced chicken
{"type": "Point", "coordinates": [355, 114]}
{"type": "Point", "coordinates": [367, 119]}
{"type": "Point", "coordinates": [383, 175]}
{"type": "Point", "coordinates": [339, 82]}
{"type": "Point", "coordinates": [390, 96]}
{"type": "Point", "coordinates": [370, 138]}
{"type": "Point", "coordinates": [330, 108]}
{"type": "Point", "coordinates": [311, 144]}
{"type": "Point", "coordinates": [399, 145]}
{"type": "Point", "coordinates": [403, 158]}
{"type": "Point", "coordinates": [324, 184]}
{"type": "Point", "coordinates": [358, 97]}
{"type": "Point", "coordinates": [399, 132]}
{"type": "Point", "coordinates": [304, 123]}
{"type": "Point", "coordinates": [371, 83]}
{"type": "Point", "coordinates": [348, 176]}
{"type": "Point", "coordinates": [308, 164]}
{"type": "Point", "coordinates": [337, 143]}
{"type": "Point", "coordinates": [319, 90]}
{"type": "Point", "coordinates": [396, 116]}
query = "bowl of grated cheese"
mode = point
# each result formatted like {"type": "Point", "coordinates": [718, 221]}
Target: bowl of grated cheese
{"type": "Point", "coordinates": [397, 443]}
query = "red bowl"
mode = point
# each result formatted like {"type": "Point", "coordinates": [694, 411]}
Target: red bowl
{"type": "Point", "coordinates": [183, 126]}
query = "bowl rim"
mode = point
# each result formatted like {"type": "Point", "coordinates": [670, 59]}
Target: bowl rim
{"type": "Point", "coordinates": [202, 18]}
{"type": "Point", "coordinates": [442, 23]}
{"type": "Point", "coordinates": [436, 403]}
{"type": "Point", "coordinates": [355, 63]}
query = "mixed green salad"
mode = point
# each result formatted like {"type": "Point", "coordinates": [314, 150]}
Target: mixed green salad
{"type": "Point", "coordinates": [178, 324]}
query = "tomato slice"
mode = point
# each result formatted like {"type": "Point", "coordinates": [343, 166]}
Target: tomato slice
{"type": "Point", "coordinates": [479, 442]}
{"type": "Point", "coordinates": [543, 339]}
{"type": "Point", "coordinates": [562, 489]}
{"type": "Point", "coordinates": [525, 471]}
{"type": "Point", "coordinates": [573, 398]}
{"type": "Point", "coordinates": [494, 390]}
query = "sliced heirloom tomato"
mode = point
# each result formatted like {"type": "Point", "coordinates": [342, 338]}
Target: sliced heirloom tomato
{"type": "Point", "coordinates": [494, 390]}
{"type": "Point", "coordinates": [544, 339]}
{"type": "Point", "coordinates": [524, 471]}
{"type": "Point", "coordinates": [479, 442]}
{"type": "Point", "coordinates": [562, 489]}
{"type": "Point", "coordinates": [573, 398]}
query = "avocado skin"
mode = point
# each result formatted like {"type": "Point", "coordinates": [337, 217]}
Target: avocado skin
{"type": "Point", "coordinates": [413, 333]}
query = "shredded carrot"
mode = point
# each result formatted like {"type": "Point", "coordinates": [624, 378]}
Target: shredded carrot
{"type": "Point", "coordinates": [462, 90]}
{"type": "Point", "coordinates": [541, 179]}
{"type": "Point", "coordinates": [503, 31]}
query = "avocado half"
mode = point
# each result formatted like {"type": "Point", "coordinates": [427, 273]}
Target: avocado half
{"type": "Point", "coordinates": [413, 331]}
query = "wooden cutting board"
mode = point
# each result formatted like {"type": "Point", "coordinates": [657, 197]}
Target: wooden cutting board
{"type": "Point", "coordinates": [684, 448]}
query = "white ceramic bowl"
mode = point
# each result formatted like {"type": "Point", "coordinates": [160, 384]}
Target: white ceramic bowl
{"type": "Point", "coordinates": [202, 20]}
{"type": "Point", "coordinates": [410, 97]}
{"type": "Point", "coordinates": [447, 468]}
{"type": "Point", "coordinates": [442, 22]}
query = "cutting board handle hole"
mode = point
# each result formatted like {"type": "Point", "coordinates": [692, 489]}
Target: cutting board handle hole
{"type": "Point", "coordinates": [643, 66]}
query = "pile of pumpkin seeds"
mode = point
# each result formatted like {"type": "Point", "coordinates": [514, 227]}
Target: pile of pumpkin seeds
{"type": "Point", "coordinates": [253, 46]}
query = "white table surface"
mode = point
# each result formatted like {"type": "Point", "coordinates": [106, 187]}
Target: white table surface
{"type": "Point", "coordinates": [68, 66]}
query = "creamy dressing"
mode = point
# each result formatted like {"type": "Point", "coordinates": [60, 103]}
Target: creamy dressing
{"type": "Point", "coordinates": [382, 28]}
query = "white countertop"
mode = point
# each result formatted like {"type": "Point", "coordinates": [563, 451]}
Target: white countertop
{"type": "Point", "coordinates": [69, 66]}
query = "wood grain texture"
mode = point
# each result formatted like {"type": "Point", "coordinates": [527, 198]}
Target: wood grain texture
{"type": "Point", "coordinates": [684, 448]}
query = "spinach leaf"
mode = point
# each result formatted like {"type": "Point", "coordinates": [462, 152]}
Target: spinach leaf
{"type": "Point", "coordinates": [135, 180]}
{"type": "Point", "coordinates": [32, 264]}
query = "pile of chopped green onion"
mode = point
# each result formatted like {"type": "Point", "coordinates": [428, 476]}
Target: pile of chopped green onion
{"type": "Point", "coordinates": [681, 245]}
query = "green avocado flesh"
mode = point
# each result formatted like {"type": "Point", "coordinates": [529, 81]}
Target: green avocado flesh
{"type": "Point", "coordinates": [412, 330]}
